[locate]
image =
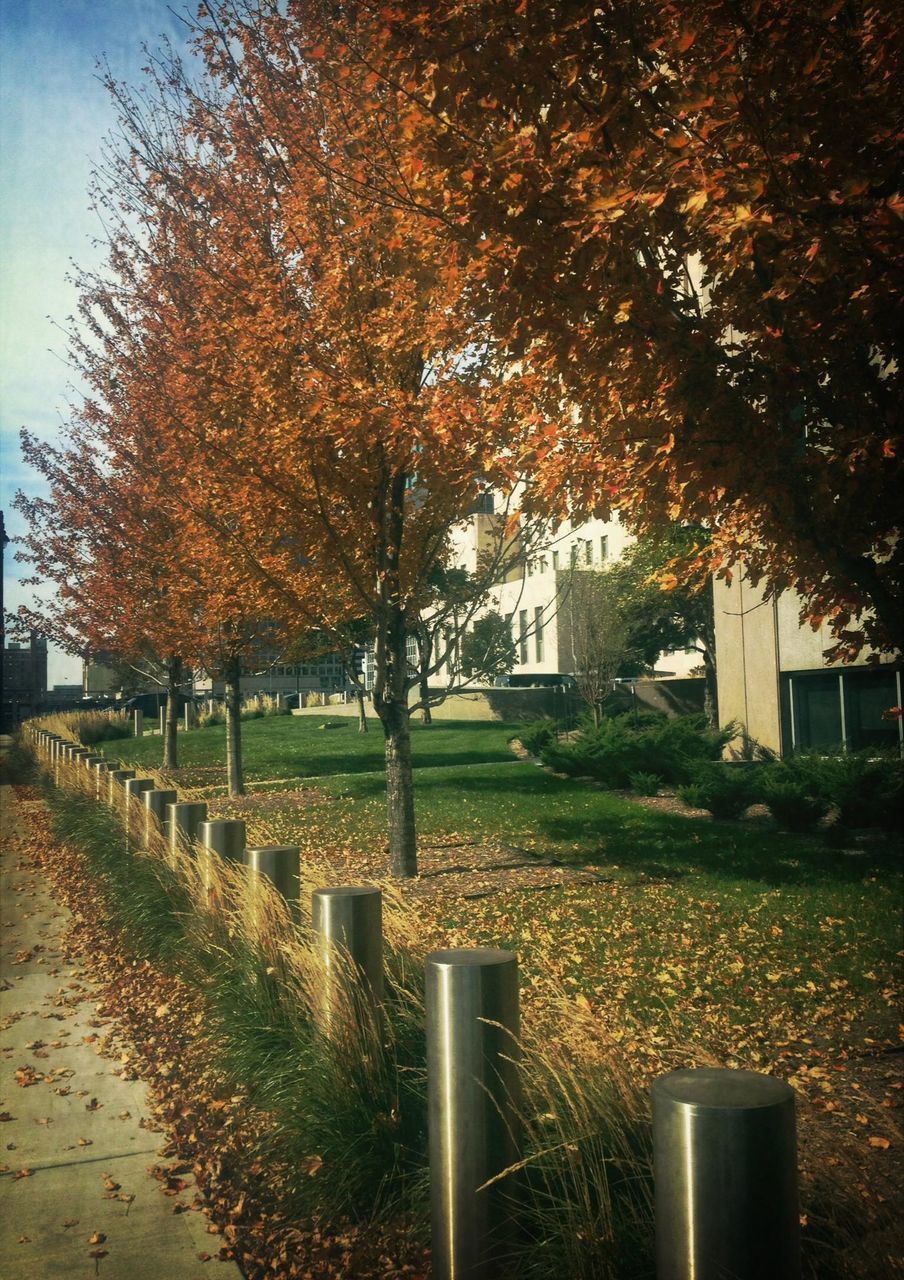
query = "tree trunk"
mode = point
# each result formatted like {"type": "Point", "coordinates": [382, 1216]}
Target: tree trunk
{"type": "Point", "coordinates": [426, 713]}
{"type": "Point", "coordinates": [234, 775]}
{"type": "Point", "coordinates": [708, 647]}
{"type": "Point", "coordinates": [399, 791]}
{"type": "Point", "coordinates": [171, 722]}
{"type": "Point", "coordinates": [425, 651]}
{"type": "Point", "coordinates": [362, 714]}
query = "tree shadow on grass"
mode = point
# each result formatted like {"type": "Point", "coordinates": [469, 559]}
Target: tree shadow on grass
{"type": "Point", "coordinates": [610, 829]}
{"type": "Point", "coordinates": [673, 847]}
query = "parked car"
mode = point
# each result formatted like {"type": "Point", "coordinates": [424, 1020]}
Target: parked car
{"type": "Point", "coordinates": [536, 680]}
{"type": "Point", "coordinates": [150, 703]}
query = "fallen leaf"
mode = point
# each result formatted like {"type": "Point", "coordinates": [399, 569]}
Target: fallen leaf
{"type": "Point", "coordinates": [881, 1144]}
{"type": "Point", "coordinates": [97, 1238]}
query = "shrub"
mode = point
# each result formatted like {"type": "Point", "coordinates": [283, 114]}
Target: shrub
{"type": "Point", "coordinates": [670, 749]}
{"type": "Point", "coordinates": [645, 784]}
{"type": "Point", "coordinates": [537, 734]}
{"type": "Point", "coordinates": [865, 787]}
{"type": "Point", "coordinates": [789, 800]}
{"type": "Point", "coordinates": [725, 790]}
{"type": "Point", "coordinates": [207, 718]}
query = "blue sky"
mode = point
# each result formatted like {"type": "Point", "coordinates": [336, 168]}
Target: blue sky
{"type": "Point", "coordinates": [53, 117]}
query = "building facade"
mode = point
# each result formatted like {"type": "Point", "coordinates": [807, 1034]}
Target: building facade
{"type": "Point", "coordinates": [775, 682]}
{"type": "Point", "coordinates": [537, 600]}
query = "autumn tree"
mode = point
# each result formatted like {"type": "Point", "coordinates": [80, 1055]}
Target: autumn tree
{"type": "Point", "coordinates": [106, 559]}
{"type": "Point", "coordinates": [685, 219]}
{"type": "Point", "coordinates": [300, 353]}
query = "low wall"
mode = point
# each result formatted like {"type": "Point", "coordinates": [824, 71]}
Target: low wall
{"type": "Point", "coordinates": [679, 696]}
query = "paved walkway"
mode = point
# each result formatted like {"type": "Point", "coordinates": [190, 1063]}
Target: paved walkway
{"type": "Point", "coordinates": [76, 1196]}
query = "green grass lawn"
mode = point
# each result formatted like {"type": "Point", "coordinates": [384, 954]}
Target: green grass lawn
{"type": "Point", "coordinates": [284, 747]}
{"type": "Point", "coordinates": [774, 949]}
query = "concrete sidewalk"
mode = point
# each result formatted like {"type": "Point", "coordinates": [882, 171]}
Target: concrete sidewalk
{"type": "Point", "coordinates": [71, 1137]}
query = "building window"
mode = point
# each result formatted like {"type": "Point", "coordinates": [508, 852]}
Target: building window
{"type": "Point", "coordinates": [522, 636]}
{"type": "Point", "coordinates": [604, 548]}
{"type": "Point", "coordinates": [588, 552]}
{"type": "Point", "coordinates": [543, 564]}
{"type": "Point", "coordinates": [538, 633]}
{"type": "Point", "coordinates": [530, 568]}
{"type": "Point", "coordinates": [555, 562]}
{"type": "Point", "coordinates": [574, 554]}
{"type": "Point", "coordinates": [843, 709]}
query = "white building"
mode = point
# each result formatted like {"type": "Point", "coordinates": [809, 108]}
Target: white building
{"type": "Point", "coordinates": [536, 596]}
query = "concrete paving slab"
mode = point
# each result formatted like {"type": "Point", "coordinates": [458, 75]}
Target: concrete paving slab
{"type": "Point", "coordinates": [72, 1119]}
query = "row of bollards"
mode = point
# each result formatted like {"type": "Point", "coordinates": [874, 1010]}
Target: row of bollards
{"type": "Point", "coordinates": [725, 1162]}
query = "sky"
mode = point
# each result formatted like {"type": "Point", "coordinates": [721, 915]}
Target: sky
{"type": "Point", "coordinates": [54, 116]}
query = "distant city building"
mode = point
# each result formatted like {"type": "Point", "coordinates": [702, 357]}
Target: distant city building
{"type": "Point", "coordinates": [24, 679]}
{"type": "Point", "coordinates": [98, 676]}
{"type": "Point", "coordinates": [325, 675]}
{"type": "Point", "coordinates": [65, 693]}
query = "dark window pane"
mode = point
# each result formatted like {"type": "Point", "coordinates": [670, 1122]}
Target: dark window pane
{"type": "Point", "coordinates": [868, 694]}
{"type": "Point", "coordinates": [818, 711]}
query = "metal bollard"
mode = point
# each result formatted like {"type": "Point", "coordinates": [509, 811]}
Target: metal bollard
{"type": "Point", "coordinates": [138, 722]}
{"type": "Point", "coordinates": [725, 1170]}
{"type": "Point", "coordinates": [155, 803]}
{"type": "Point", "coordinates": [184, 819]}
{"type": "Point", "coordinates": [135, 789]}
{"type": "Point", "coordinates": [349, 921]}
{"type": "Point", "coordinates": [224, 837]}
{"type": "Point", "coordinates": [188, 713]}
{"type": "Point", "coordinates": [115, 780]}
{"type": "Point", "coordinates": [103, 769]}
{"type": "Point", "coordinates": [281, 865]}
{"type": "Point", "coordinates": [473, 1092]}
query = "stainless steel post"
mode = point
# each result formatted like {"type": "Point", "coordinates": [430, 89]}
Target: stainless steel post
{"type": "Point", "coordinates": [225, 837]}
{"type": "Point", "coordinates": [184, 819]}
{"type": "Point", "coordinates": [103, 770]}
{"type": "Point", "coordinates": [135, 788]}
{"type": "Point", "coordinates": [725, 1169]}
{"type": "Point", "coordinates": [161, 719]}
{"type": "Point", "coordinates": [473, 1092]}
{"type": "Point", "coordinates": [155, 803]}
{"type": "Point", "coordinates": [188, 713]}
{"type": "Point", "coordinates": [116, 779]}
{"type": "Point", "coordinates": [349, 921]}
{"type": "Point", "coordinates": [280, 864]}
{"type": "Point", "coordinates": [138, 722]}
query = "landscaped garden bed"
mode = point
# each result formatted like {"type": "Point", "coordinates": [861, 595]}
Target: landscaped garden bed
{"type": "Point", "coordinates": [668, 939]}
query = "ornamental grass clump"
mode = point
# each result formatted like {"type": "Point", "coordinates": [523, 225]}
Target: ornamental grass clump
{"type": "Point", "coordinates": [586, 1179]}
{"type": "Point", "coordinates": [88, 727]}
